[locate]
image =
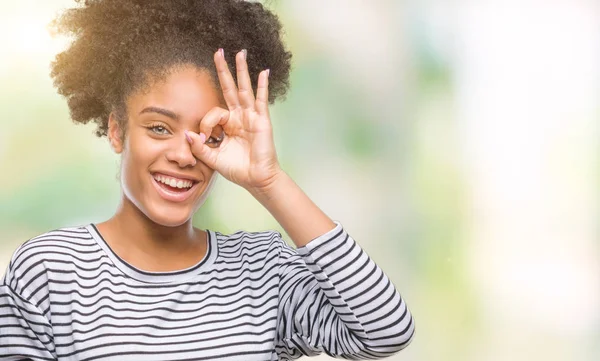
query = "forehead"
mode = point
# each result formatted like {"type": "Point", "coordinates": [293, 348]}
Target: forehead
{"type": "Point", "coordinates": [188, 91]}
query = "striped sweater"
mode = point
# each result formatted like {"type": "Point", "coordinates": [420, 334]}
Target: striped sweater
{"type": "Point", "coordinates": [67, 296]}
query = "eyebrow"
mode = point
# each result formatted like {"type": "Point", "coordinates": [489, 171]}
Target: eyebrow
{"type": "Point", "coordinates": [162, 111]}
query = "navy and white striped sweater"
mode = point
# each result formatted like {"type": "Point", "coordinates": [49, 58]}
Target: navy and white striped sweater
{"type": "Point", "coordinates": [66, 295]}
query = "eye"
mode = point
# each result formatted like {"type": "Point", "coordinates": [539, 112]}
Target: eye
{"type": "Point", "coordinates": [159, 129]}
{"type": "Point", "coordinates": [212, 140]}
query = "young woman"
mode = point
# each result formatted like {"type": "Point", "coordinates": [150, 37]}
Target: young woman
{"type": "Point", "coordinates": [146, 284]}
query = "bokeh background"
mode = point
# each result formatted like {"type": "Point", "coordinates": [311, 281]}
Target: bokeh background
{"type": "Point", "coordinates": [457, 141]}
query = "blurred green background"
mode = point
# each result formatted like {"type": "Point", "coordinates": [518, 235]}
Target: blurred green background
{"type": "Point", "coordinates": [455, 140]}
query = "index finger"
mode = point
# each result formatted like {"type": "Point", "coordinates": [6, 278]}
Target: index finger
{"type": "Point", "coordinates": [215, 116]}
{"type": "Point", "coordinates": [228, 86]}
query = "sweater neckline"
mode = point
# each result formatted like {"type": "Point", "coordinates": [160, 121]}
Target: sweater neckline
{"type": "Point", "coordinates": [158, 277]}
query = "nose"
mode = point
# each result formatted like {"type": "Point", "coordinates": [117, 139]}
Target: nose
{"type": "Point", "coordinates": [180, 152]}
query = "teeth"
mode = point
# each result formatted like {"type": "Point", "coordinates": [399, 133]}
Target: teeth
{"type": "Point", "coordinates": [175, 183]}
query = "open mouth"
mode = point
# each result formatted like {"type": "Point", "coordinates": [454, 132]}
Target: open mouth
{"type": "Point", "coordinates": [174, 189]}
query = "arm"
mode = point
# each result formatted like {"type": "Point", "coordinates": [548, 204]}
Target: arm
{"type": "Point", "coordinates": [333, 272]}
{"type": "Point", "coordinates": [333, 297]}
{"type": "Point", "coordinates": [301, 218]}
{"type": "Point", "coordinates": [25, 333]}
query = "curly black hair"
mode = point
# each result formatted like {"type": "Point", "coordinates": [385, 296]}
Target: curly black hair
{"type": "Point", "coordinates": [119, 46]}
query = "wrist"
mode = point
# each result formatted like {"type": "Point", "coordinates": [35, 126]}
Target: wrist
{"type": "Point", "coordinates": [270, 190]}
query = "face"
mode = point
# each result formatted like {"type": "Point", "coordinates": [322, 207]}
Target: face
{"type": "Point", "coordinates": [159, 173]}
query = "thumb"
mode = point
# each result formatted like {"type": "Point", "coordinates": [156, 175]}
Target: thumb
{"type": "Point", "coordinates": [200, 150]}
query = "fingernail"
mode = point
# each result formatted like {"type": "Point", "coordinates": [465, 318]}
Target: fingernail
{"type": "Point", "coordinates": [245, 53]}
{"type": "Point", "coordinates": [189, 139]}
{"type": "Point", "coordinates": [202, 138]}
{"type": "Point", "coordinates": [222, 52]}
{"type": "Point", "coordinates": [268, 72]}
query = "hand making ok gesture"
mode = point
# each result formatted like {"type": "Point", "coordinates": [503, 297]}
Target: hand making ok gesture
{"type": "Point", "coordinates": [246, 155]}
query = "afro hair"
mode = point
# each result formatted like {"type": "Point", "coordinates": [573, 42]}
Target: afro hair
{"type": "Point", "coordinates": [119, 46]}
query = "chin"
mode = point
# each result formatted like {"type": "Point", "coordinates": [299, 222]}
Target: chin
{"type": "Point", "coordinates": [169, 214]}
{"type": "Point", "coordinates": [176, 215]}
{"type": "Point", "coordinates": [170, 220]}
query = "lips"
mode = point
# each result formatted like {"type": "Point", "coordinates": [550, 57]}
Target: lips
{"type": "Point", "coordinates": [179, 193]}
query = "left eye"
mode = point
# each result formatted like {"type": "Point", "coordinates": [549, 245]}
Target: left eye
{"type": "Point", "coordinates": [158, 129]}
{"type": "Point", "coordinates": [215, 140]}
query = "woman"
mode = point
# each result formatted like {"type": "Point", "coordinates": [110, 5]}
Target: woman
{"type": "Point", "coordinates": [146, 284]}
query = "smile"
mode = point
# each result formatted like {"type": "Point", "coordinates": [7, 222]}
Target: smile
{"type": "Point", "coordinates": [173, 189]}
{"type": "Point", "coordinates": [173, 182]}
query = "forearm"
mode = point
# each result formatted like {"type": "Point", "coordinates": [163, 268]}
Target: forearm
{"type": "Point", "coordinates": [370, 318]}
{"type": "Point", "coordinates": [361, 292]}
{"type": "Point", "coordinates": [299, 216]}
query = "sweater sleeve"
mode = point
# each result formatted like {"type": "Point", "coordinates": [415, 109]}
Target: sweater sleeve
{"type": "Point", "coordinates": [334, 299]}
{"type": "Point", "coordinates": [25, 333]}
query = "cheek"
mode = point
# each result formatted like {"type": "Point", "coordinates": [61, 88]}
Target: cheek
{"type": "Point", "coordinates": [138, 156]}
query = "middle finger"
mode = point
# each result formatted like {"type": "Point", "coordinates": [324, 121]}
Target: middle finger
{"type": "Point", "coordinates": [226, 80]}
{"type": "Point", "coordinates": [245, 92]}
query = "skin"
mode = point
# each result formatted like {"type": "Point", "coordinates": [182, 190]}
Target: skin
{"type": "Point", "coordinates": [154, 234]}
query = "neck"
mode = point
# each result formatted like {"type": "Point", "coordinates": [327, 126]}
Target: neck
{"type": "Point", "coordinates": [148, 245]}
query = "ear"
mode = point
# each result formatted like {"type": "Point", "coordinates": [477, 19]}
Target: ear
{"type": "Point", "coordinates": [115, 134]}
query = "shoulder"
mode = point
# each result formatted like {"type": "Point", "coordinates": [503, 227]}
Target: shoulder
{"type": "Point", "coordinates": [252, 243]}
{"type": "Point", "coordinates": [242, 237]}
{"type": "Point", "coordinates": [32, 257]}
{"type": "Point", "coordinates": [67, 240]}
